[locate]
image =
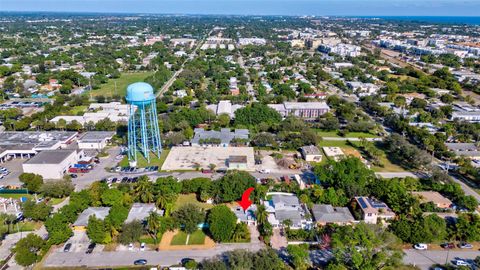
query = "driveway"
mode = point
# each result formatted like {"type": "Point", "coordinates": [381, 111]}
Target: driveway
{"type": "Point", "coordinates": [278, 241]}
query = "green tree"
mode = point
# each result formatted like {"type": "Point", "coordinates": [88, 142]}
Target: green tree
{"type": "Point", "coordinates": [28, 250]}
{"type": "Point", "coordinates": [222, 223]}
{"type": "Point", "coordinates": [58, 229]}
{"type": "Point", "coordinates": [36, 211]}
{"type": "Point", "coordinates": [189, 216]}
{"type": "Point", "coordinates": [33, 182]}
{"type": "Point", "coordinates": [112, 197]}
{"type": "Point", "coordinates": [232, 185]}
{"type": "Point", "coordinates": [131, 232]}
{"type": "Point", "coordinates": [97, 231]}
{"type": "Point", "coordinates": [299, 256]}
{"type": "Point", "coordinates": [153, 225]}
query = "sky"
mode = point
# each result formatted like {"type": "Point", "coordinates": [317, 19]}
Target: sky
{"type": "Point", "coordinates": [256, 7]}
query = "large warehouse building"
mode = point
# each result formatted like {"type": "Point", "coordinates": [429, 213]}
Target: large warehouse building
{"type": "Point", "coordinates": [52, 164]}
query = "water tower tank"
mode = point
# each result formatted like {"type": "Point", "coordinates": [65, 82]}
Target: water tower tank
{"type": "Point", "coordinates": [140, 93]}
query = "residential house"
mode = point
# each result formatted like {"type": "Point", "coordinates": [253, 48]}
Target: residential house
{"type": "Point", "coordinates": [82, 221]}
{"type": "Point", "coordinates": [327, 214]}
{"type": "Point", "coordinates": [373, 210]}
{"type": "Point", "coordinates": [286, 206]}
{"type": "Point", "coordinates": [432, 196]}
{"type": "Point", "coordinates": [311, 153]}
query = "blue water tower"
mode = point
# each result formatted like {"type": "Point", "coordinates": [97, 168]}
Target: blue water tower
{"type": "Point", "coordinates": [143, 131]}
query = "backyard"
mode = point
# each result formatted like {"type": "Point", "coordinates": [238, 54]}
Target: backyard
{"type": "Point", "coordinates": [196, 238]}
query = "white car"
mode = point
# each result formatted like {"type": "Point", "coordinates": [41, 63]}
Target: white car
{"type": "Point", "coordinates": [265, 171]}
{"type": "Point", "coordinates": [142, 247]}
{"type": "Point", "coordinates": [461, 263]}
{"type": "Point", "coordinates": [420, 246]}
{"type": "Point", "coordinates": [130, 246]}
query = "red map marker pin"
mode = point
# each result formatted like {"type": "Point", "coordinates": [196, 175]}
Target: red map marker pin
{"type": "Point", "coordinates": [245, 202]}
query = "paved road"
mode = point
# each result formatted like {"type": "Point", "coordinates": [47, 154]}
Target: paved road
{"type": "Point", "coordinates": [99, 171]}
{"type": "Point", "coordinates": [466, 188]}
{"type": "Point", "coordinates": [424, 259]}
{"type": "Point", "coordinates": [175, 75]}
{"type": "Point", "coordinates": [126, 258]}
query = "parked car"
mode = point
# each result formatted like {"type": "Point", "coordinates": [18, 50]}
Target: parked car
{"type": "Point", "coordinates": [447, 245]}
{"type": "Point", "coordinates": [420, 246]}
{"type": "Point", "coordinates": [67, 247]}
{"type": "Point", "coordinates": [130, 246]}
{"type": "Point", "coordinates": [184, 261]}
{"type": "Point", "coordinates": [90, 248]}
{"type": "Point", "coordinates": [459, 262]}
{"type": "Point", "coordinates": [73, 175]}
{"type": "Point", "coordinates": [140, 262]}
{"type": "Point", "coordinates": [265, 171]}
{"type": "Point", "coordinates": [142, 247]}
{"type": "Point", "coordinates": [465, 245]}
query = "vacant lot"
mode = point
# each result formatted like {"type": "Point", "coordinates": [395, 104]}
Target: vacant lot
{"type": "Point", "coordinates": [108, 89]}
{"type": "Point", "coordinates": [187, 158]}
{"type": "Point", "coordinates": [184, 199]}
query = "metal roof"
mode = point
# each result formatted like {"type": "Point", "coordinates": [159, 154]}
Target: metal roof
{"type": "Point", "coordinates": [50, 156]}
{"type": "Point", "coordinates": [99, 212]}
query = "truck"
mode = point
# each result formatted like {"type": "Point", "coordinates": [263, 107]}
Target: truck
{"type": "Point", "coordinates": [82, 166]}
{"type": "Point", "coordinates": [78, 170]}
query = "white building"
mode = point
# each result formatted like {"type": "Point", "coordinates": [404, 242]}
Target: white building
{"type": "Point", "coordinates": [225, 106]}
{"type": "Point", "coordinates": [286, 206]}
{"type": "Point", "coordinates": [114, 111]}
{"type": "Point", "coordinates": [95, 139]}
{"type": "Point", "coordinates": [52, 164]}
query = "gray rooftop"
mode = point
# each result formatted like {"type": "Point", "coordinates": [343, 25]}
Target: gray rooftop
{"type": "Point", "coordinates": [42, 139]}
{"type": "Point", "coordinates": [96, 136]}
{"type": "Point", "coordinates": [461, 147]}
{"type": "Point", "coordinates": [50, 156]}
{"type": "Point", "coordinates": [225, 135]}
{"type": "Point", "coordinates": [288, 200]}
{"type": "Point", "coordinates": [329, 214]}
{"type": "Point", "coordinates": [310, 150]}
{"type": "Point", "coordinates": [99, 212]}
{"type": "Point", "coordinates": [140, 211]}
{"type": "Point", "coordinates": [293, 215]}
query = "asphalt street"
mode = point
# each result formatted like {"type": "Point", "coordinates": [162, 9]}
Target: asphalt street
{"type": "Point", "coordinates": [424, 259]}
{"type": "Point", "coordinates": [126, 258]}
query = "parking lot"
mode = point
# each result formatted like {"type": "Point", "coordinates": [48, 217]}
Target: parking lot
{"type": "Point", "coordinates": [14, 166]}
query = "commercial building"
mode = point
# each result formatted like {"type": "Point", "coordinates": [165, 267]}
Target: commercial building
{"type": "Point", "coordinates": [237, 162]}
{"type": "Point", "coordinates": [434, 197]}
{"type": "Point", "coordinates": [95, 139]}
{"type": "Point", "coordinates": [327, 214]}
{"type": "Point", "coordinates": [311, 153]}
{"type": "Point", "coordinates": [52, 164]}
{"type": "Point", "coordinates": [82, 221]}
{"type": "Point", "coordinates": [469, 150]}
{"type": "Point", "coordinates": [223, 138]}
{"type": "Point", "coordinates": [114, 111]}
{"type": "Point", "coordinates": [306, 110]}
{"type": "Point", "coordinates": [373, 210]}
{"type": "Point", "coordinates": [25, 144]}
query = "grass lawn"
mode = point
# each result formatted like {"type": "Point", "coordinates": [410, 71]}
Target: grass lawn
{"type": "Point", "coordinates": [348, 135]}
{"type": "Point", "coordinates": [108, 89]}
{"type": "Point", "coordinates": [142, 162]}
{"type": "Point", "coordinates": [16, 196]}
{"type": "Point", "coordinates": [197, 238]}
{"type": "Point", "coordinates": [179, 239]}
{"type": "Point", "coordinates": [184, 199]}
{"type": "Point", "coordinates": [324, 143]}
{"type": "Point", "coordinates": [55, 201]}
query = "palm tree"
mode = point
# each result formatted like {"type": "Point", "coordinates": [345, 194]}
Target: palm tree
{"type": "Point", "coordinates": [162, 201]}
{"type": "Point", "coordinates": [261, 214]}
{"type": "Point", "coordinates": [287, 223]}
{"type": "Point", "coordinates": [153, 224]}
{"type": "Point", "coordinates": [212, 166]}
{"type": "Point", "coordinates": [143, 189]}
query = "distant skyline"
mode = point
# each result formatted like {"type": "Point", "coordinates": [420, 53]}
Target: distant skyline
{"type": "Point", "coordinates": [255, 7]}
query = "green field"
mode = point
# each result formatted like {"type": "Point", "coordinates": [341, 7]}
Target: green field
{"type": "Point", "coordinates": [108, 89]}
{"type": "Point", "coordinates": [196, 238]}
{"type": "Point", "coordinates": [184, 199]}
{"type": "Point", "coordinates": [142, 162]}
{"type": "Point", "coordinates": [334, 144]}
{"type": "Point", "coordinates": [16, 196]}
{"type": "Point", "coordinates": [348, 135]}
